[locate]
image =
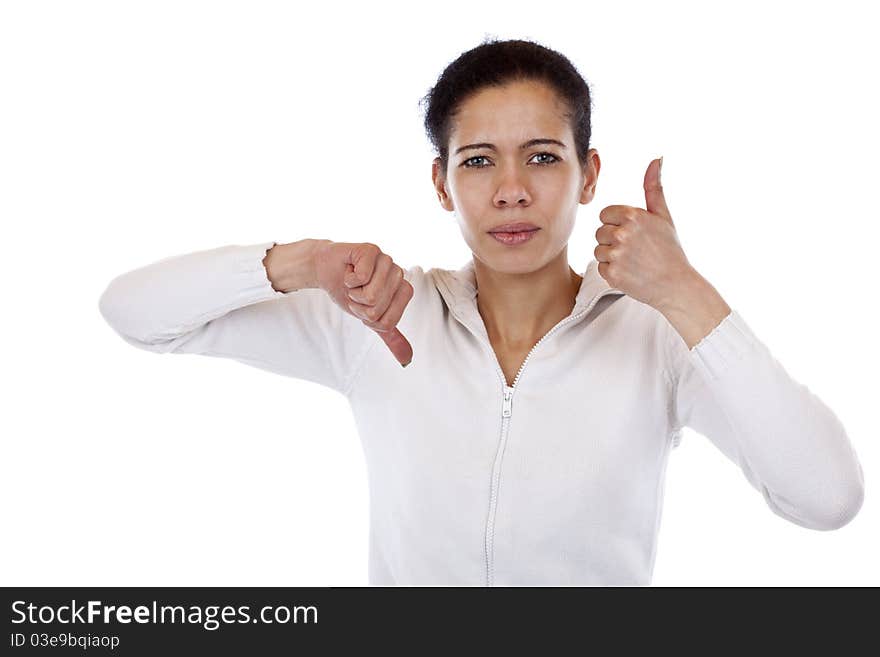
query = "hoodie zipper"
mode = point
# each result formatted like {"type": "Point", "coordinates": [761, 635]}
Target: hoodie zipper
{"type": "Point", "coordinates": [508, 401]}
{"type": "Point", "coordinates": [506, 413]}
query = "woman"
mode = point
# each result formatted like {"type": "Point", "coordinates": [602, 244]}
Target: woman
{"type": "Point", "coordinates": [527, 443]}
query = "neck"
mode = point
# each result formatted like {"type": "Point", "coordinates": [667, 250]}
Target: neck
{"type": "Point", "coordinates": [518, 309]}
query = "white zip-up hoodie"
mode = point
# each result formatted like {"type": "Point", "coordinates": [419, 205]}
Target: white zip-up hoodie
{"type": "Point", "coordinates": [556, 480]}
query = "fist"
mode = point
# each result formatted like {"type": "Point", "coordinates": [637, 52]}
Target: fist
{"type": "Point", "coordinates": [366, 283]}
{"type": "Point", "coordinates": [639, 252]}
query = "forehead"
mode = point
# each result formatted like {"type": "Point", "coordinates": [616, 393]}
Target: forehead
{"type": "Point", "coordinates": [510, 112]}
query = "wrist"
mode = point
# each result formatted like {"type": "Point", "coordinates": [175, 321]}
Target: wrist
{"type": "Point", "coordinates": [291, 267]}
{"type": "Point", "coordinates": [695, 309]}
{"type": "Point", "coordinates": [681, 297]}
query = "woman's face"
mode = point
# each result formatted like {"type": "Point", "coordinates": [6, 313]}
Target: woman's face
{"type": "Point", "coordinates": [541, 184]}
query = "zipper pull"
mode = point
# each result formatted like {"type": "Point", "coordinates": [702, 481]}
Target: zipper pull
{"type": "Point", "coordinates": [508, 401]}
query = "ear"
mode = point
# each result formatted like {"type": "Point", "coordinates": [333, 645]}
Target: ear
{"type": "Point", "coordinates": [590, 176]}
{"type": "Point", "coordinates": [439, 179]}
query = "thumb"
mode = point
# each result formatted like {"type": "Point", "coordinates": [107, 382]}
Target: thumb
{"type": "Point", "coordinates": [399, 345]}
{"type": "Point", "coordinates": [654, 199]}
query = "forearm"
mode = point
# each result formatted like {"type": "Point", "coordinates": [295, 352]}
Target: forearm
{"type": "Point", "coordinates": [695, 310]}
{"type": "Point", "coordinates": [291, 267]}
{"type": "Point", "coordinates": [166, 300]}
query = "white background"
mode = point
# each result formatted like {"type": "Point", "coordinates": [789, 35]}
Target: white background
{"type": "Point", "coordinates": [132, 131]}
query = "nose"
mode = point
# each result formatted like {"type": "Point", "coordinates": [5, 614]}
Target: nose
{"type": "Point", "coordinates": [511, 188]}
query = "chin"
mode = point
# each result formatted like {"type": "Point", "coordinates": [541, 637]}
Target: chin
{"type": "Point", "coordinates": [511, 263]}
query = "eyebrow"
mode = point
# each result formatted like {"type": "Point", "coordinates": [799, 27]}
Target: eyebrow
{"type": "Point", "coordinates": [530, 142]}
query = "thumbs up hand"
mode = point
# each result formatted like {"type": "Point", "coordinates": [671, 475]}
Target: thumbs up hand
{"type": "Point", "coordinates": [639, 252]}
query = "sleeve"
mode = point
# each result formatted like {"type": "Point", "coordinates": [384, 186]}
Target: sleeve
{"type": "Point", "coordinates": [788, 443]}
{"type": "Point", "coordinates": [221, 303]}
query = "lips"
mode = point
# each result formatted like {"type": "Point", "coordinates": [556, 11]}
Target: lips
{"type": "Point", "coordinates": [517, 227]}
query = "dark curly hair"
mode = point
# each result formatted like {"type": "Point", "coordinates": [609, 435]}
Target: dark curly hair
{"type": "Point", "coordinates": [495, 63]}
